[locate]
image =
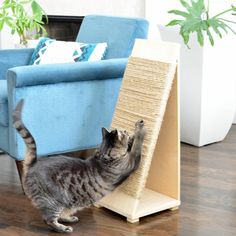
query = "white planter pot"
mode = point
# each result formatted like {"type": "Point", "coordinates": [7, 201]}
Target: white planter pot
{"type": "Point", "coordinates": [208, 82]}
{"type": "Point", "coordinates": [234, 122]}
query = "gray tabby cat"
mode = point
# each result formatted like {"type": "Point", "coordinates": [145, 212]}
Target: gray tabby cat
{"type": "Point", "coordinates": [59, 186]}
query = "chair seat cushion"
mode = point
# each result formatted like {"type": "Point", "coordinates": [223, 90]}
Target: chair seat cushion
{"type": "Point", "coordinates": [3, 103]}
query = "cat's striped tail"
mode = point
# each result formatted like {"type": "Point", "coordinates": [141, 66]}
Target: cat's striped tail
{"type": "Point", "coordinates": [31, 152]}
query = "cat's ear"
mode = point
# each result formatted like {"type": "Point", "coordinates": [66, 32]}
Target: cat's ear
{"type": "Point", "coordinates": [105, 132]}
{"type": "Point", "coordinates": [113, 136]}
{"type": "Point", "coordinates": [114, 133]}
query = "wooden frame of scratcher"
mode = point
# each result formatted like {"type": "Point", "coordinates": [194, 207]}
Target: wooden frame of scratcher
{"type": "Point", "coordinates": [150, 91]}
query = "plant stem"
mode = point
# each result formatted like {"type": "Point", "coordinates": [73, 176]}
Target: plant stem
{"type": "Point", "coordinates": [222, 13]}
{"type": "Point", "coordinates": [233, 22]}
{"type": "Point", "coordinates": [231, 29]}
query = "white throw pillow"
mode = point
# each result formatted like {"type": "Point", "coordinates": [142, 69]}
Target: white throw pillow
{"type": "Point", "coordinates": [50, 51]}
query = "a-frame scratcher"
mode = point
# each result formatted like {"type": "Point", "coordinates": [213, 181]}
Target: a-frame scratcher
{"type": "Point", "coordinates": [150, 91]}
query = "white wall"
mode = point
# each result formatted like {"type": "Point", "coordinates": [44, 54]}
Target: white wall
{"type": "Point", "coordinates": [6, 39]}
{"type": "Point", "coordinates": [85, 7]}
{"type": "Point", "coordinates": [131, 8]}
{"type": "Point", "coordinates": [157, 10]}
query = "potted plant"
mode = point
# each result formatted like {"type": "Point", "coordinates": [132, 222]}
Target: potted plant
{"type": "Point", "coordinates": [196, 19]}
{"type": "Point", "coordinates": [208, 83]}
{"type": "Point", "coordinates": [24, 17]}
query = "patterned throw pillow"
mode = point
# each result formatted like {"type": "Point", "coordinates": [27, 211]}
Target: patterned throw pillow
{"type": "Point", "coordinates": [50, 51]}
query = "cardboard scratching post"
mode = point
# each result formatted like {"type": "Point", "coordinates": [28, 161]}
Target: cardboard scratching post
{"type": "Point", "coordinates": [150, 91]}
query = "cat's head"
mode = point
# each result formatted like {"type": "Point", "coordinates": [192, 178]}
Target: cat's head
{"type": "Point", "coordinates": [115, 143]}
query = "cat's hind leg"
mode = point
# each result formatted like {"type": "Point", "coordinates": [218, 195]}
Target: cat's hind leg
{"type": "Point", "coordinates": [68, 217]}
{"type": "Point", "coordinates": [51, 218]}
{"type": "Point", "coordinates": [59, 227]}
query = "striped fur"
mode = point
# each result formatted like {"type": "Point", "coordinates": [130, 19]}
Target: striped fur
{"type": "Point", "coordinates": [31, 152]}
{"type": "Point", "coordinates": [59, 185]}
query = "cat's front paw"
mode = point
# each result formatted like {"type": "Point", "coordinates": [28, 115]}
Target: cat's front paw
{"type": "Point", "coordinates": [140, 129]}
{"type": "Point", "coordinates": [69, 219]}
{"type": "Point", "coordinates": [139, 124]}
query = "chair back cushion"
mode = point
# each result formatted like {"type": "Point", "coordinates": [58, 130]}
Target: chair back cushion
{"type": "Point", "coordinates": [118, 32]}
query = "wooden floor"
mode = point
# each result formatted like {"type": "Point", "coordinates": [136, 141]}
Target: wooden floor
{"type": "Point", "coordinates": [208, 201]}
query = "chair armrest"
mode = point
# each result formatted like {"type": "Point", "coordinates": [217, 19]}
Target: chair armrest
{"type": "Point", "coordinates": [12, 58]}
{"type": "Point", "coordinates": [66, 72]}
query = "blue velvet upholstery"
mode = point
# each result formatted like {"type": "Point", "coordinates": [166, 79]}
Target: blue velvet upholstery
{"type": "Point", "coordinates": [12, 58]}
{"type": "Point", "coordinates": [3, 103]}
{"type": "Point", "coordinates": [66, 104]}
{"type": "Point", "coordinates": [68, 72]}
{"type": "Point", "coordinates": [4, 138]}
{"type": "Point", "coordinates": [119, 33]}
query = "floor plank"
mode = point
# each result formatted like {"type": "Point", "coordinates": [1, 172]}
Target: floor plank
{"type": "Point", "coordinates": [208, 194]}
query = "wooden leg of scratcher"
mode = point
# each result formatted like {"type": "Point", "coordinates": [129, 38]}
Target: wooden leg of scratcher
{"type": "Point", "coordinates": [97, 205]}
{"type": "Point", "coordinates": [132, 220]}
{"type": "Point", "coordinates": [174, 208]}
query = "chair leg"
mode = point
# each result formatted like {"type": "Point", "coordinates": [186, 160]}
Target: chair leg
{"type": "Point", "coordinates": [19, 165]}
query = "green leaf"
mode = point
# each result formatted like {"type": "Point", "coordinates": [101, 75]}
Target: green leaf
{"type": "Point", "coordinates": [215, 25]}
{"type": "Point", "coordinates": [174, 22]}
{"type": "Point", "coordinates": [1, 24]}
{"type": "Point", "coordinates": [200, 37]}
{"type": "Point", "coordinates": [231, 29]}
{"type": "Point", "coordinates": [6, 6]}
{"type": "Point", "coordinates": [185, 4]}
{"type": "Point", "coordinates": [25, 2]}
{"type": "Point", "coordinates": [210, 37]}
{"type": "Point", "coordinates": [185, 35]}
{"type": "Point", "coordinates": [222, 26]}
{"type": "Point", "coordinates": [13, 30]}
{"type": "Point", "coordinates": [8, 21]}
{"type": "Point", "coordinates": [37, 11]}
{"type": "Point", "coordinates": [225, 26]}
{"type": "Point", "coordinates": [180, 13]}
{"type": "Point", "coordinates": [204, 25]}
{"type": "Point", "coordinates": [5, 2]}
{"type": "Point", "coordinates": [198, 8]}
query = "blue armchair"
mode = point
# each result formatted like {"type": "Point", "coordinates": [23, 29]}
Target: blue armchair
{"type": "Point", "coordinates": [66, 104]}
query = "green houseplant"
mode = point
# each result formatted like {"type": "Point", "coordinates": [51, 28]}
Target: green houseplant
{"type": "Point", "coordinates": [196, 19]}
{"type": "Point", "coordinates": [207, 73]}
{"type": "Point", "coordinates": [24, 17]}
